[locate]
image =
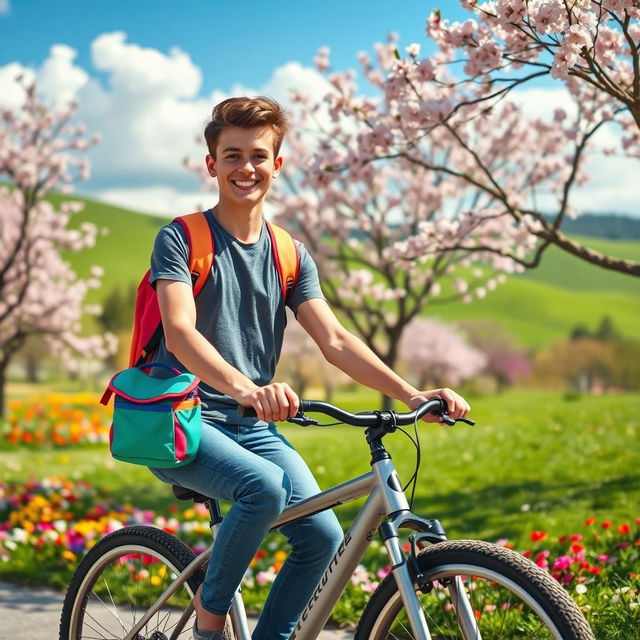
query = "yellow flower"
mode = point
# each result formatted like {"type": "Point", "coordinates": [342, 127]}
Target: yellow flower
{"type": "Point", "coordinates": [156, 580]}
{"type": "Point", "coordinates": [69, 555]}
{"type": "Point", "coordinates": [280, 556]}
{"type": "Point", "coordinates": [28, 526]}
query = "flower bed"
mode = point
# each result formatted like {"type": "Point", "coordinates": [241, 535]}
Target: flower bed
{"type": "Point", "coordinates": [46, 526]}
{"type": "Point", "coordinates": [56, 420]}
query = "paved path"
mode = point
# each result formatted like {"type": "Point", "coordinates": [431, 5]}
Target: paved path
{"type": "Point", "coordinates": [33, 614]}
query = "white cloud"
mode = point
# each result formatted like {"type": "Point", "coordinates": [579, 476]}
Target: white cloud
{"type": "Point", "coordinates": [11, 92]}
{"type": "Point", "coordinates": [157, 200]}
{"type": "Point", "coordinates": [59, 80]}
{"type": "Point", "coordinates": [539, 102]}
{"type": "Point", "coordinates": [136, 70]}
{"type": "Point", "coordinates": [5, 7]}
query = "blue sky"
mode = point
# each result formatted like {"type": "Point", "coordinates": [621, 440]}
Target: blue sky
{"type": "Point", "coordinates": [146, 75]}
{"type": "Point", "coordinates": [230, 42]}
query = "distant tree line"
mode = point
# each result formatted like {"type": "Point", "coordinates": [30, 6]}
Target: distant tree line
{"type": "Point", "coordinates": [611, 226]}
{"type": "Point", "coordinates": [591, 361]}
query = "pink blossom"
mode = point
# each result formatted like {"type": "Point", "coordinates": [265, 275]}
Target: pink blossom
{"type": "Point", "coordinates": [562, 563]}
{"type": "Point", "coordinates": [265, 577]}
{"type": "Point", "coordinates": [383, 572]}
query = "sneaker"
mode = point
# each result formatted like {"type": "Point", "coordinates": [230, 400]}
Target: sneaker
{"type": "Point", "coordinates": [207, 635]}
{"type": "Point", "coordinates": [227, 634]}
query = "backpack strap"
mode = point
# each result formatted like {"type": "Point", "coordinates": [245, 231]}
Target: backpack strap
{"type": "Point", "coordinates": [201, 247]}
{"type": "Point", "coordinates": [286, 256]}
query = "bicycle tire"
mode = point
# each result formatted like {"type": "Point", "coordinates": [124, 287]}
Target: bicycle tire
{"type": "Point", "coordinates": [122, 575]}
{"type": "Point", "coordinates": [543, 608]}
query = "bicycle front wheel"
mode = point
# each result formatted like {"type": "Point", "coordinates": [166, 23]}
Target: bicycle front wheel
{"type": "Point", "coordinates": [120, 578]}
{"type": "Point", "coordinates": [511, 599]}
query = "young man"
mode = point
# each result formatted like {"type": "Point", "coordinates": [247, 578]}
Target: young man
{"type": "Point", "coordinates": [230, 337]}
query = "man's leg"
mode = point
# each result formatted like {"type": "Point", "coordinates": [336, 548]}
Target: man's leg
{"type": "Point", "coordinates": [259, 490]}
{"type": "Point", "coordinates": [314, 540]}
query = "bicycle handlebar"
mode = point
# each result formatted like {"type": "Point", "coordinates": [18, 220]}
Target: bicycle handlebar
{"type": "Point", "coordinates": [436, 406]}
{"type": "Point", "coordinates": [374, 418]}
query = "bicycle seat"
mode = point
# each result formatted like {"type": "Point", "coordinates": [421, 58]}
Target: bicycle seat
{"type": "Point", "coordinates": [182, 493]}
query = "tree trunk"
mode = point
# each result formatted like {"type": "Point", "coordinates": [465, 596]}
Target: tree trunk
{"type": "Point", "coordinates": [386, 402]}
{"type": "Point", "coordinates": [389, 359]}
{"type": "Point", "coordinates": [3, 380]}
{"type": "Point", "coordinates": [32, 366]}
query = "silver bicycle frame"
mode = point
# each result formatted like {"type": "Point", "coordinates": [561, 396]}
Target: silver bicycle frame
{"type": "Point", "coordinates": [386, 498]}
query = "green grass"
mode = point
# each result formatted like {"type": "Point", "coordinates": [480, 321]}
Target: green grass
{"type": "Point", "coordinates": [535, 461]}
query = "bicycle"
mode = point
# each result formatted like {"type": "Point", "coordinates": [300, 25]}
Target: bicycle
{"type": "Point", "coordinates": [138, 582]}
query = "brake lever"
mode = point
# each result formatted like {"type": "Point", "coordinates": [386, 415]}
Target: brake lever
{"type": "Point", "coordinates": [302, 420]}
{"type": "Point", "coordinates": [448, 420]}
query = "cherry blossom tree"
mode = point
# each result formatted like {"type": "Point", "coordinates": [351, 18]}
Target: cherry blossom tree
{"type": "Point", "coordinates": [449, 114]}
{"type": "Point", "coordinates": [438, 355]}
{"type": "Point", "coordinates": [506, 362]}
{"type": "Point", "coordinates": [438, 184]}
{"type": "Point", "coordinates": [384, 243]}
{"type": "Point", "coordinates": [40, 295]}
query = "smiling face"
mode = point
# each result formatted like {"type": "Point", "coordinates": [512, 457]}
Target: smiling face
{"type": "Point", "coordinates": [244, 165]}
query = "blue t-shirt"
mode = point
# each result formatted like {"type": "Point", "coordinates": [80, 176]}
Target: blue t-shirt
{"type": "Point", "coordinates": [240, 308]}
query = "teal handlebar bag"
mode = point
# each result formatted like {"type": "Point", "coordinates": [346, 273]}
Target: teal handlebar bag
{"type": "Point", "coordinates": [156, 421]}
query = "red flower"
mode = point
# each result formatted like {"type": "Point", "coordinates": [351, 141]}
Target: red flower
{"type": "Point", "coordinates": [624, 529]}
{"type": "Point", "coordinates": [595, 570]}
{"type": "Point", "coordinates": [576, 537]}
{"type": "Point", "coordinates": [606, 524]}
{"type": "Point", "coordinates": [589, 521]}
{"type": "Point", "coordinates": [527, 554]}
{"type": "Point", "coordinates": [536, 536]}
{"type": "Point", "coordinates": [576, 548]}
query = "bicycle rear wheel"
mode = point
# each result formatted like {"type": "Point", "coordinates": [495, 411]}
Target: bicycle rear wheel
{"type": "Point", "coordinates": [120, 578]}
{"type": "Point", "coordinates": [511, 598]}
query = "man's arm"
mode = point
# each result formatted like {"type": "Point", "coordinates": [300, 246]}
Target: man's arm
{"type": "Point", "coordinates": [347, 352]}
{"type": "Point", "coordinates": [272, 402]}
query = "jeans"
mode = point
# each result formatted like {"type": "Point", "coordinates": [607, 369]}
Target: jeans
{"type": "Point", "coordinates": [260, 472]}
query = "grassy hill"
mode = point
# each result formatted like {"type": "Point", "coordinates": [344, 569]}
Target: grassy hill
{"type": "Point", "coordinates": [123, 252]}
{"type": "Point", "coordinates": [537, 308]}
{"type": "Point", "coordinates": [566, 271]}
{"type": "Point", "coordinates": [539, 313]}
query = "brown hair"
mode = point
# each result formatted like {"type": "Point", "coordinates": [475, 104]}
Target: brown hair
{"type": "Point", "coordinates": [247, 113]}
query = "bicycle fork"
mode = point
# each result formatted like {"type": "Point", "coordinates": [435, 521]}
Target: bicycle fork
{"type": "Point", "coordinates": [406, 574]}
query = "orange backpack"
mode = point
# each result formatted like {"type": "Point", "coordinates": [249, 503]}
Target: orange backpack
{"type": "Point", "coordinates": [147, 326]}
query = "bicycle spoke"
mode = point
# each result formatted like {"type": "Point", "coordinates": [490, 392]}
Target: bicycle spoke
{"type": "Point", "coordinates": [129, 573]}
{"type": "Point", "coordinates": [115, 612]}
{"type": "Point", "coordinates": [501, 608]}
